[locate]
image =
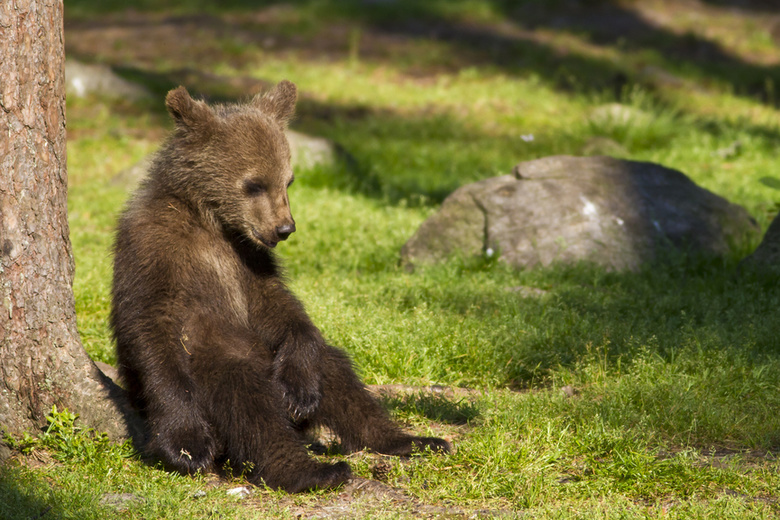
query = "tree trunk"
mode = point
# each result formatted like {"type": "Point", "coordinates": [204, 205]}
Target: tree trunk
{"type": "Point", "coordinates": [42, 362]}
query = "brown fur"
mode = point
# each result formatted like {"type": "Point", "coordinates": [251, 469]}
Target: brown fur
{"type": "Point", "coordinates": [215, 351]}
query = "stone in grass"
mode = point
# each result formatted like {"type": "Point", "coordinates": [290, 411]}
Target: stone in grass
{"type": "Point", "coordinates": [311, 151]}
{"type": "Point", "coordinates": [83, 79]}
{"type": "Point", "coordinates": [615, 213]}
{"type": "Point", "coordinates": [239, 492]}
{"type": "Point", "coordinates": [121, 501]}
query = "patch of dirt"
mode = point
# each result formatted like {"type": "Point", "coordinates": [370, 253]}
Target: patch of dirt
{"type": "Point", "coordinates": [36, 459]}
{"type": "Point", "coordinates": [149, 41]}
{"type": "Point", "coordinates": [359, 497]}
{"type": "Point", "coordinates": [723, 458]}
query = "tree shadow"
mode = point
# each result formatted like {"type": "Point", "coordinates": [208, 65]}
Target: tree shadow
{"type": "Point", "coordinates": [434, 407]}
{"type": "Point", "coordinates": [378, 148]}
{"type": "Point", "coordinates": [23, 496]}
{"type": "Point", "coordinates": [378, 31]}
{"type": "Point", "coordinates": [679, 300]}
{"type": "Point", "coordinates": [521, 44]}
{"type": "Point", "coordinates": [517, 47]}
{"type": "Point", "coordinates": [761, 6]}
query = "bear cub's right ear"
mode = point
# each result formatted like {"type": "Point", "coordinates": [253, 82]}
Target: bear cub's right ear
{"type": "Point", "coordinates": [186, 112]}
{"type": "Point", "coordinates": [279, 102]}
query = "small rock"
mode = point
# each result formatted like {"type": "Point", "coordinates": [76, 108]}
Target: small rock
{"type": "Point", "coordinates": [569, 391]}
{"type": "Point", "coordinates": [310, 151]}
{"type": "Point", "coordinates": [239, 492]}
{"type": "Point", "coordinates": [528, 292]}
{"type": "Point", "coordinates": [121, 501]}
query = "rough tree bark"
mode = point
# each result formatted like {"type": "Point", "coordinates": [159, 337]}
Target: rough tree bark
{"type": "Point", "coordinates": [42, 361]}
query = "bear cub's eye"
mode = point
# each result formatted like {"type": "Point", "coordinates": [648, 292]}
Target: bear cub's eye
{"type": "Point", "coordinates": [253, 188]}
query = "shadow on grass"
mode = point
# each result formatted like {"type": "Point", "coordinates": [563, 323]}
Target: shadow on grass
{"type": "Point", "coordinates": [761, 6]}
{"type": "Point", "coordinates": [383, 151]}
{"type": "Point", "coordinates": [513, 46]}
{"type": "Point", "coordinates": [390, 149]}
{"type": "Point", "coordinates": [24, 496]}
{"type": "Point", "coordinates": [18, 499]}
{"type": "Point", "coordinates": [669, 306]}
{"type": "Point", "coordinates": [434, 407]}
{"type": "Point", "coordinates": [603, 23]}
{"type": "Point", "coordinates": [684, 351]}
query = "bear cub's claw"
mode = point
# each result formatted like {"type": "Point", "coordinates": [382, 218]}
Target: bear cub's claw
{"type": "Point", "coordinates": [301, 393]}
{"type": "Point", "coordinates": [301, 403]}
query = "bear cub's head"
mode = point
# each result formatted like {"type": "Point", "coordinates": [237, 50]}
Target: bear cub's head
{"type": "Point", "coordinates": [233, 161]}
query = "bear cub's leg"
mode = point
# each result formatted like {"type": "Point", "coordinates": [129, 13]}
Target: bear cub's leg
{"type": "Point", "coordinates": [357, 417]}
{"type": "Point", "coordinates": [179, 433]}
{"type": "Point", "coordinates": [256, 433]}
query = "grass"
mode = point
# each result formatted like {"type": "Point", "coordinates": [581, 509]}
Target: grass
{"type": "Point", "coordinates": [604, 395]}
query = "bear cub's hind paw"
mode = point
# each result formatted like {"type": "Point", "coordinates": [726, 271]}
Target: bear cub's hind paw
{"type": "Point", "coordinates": [409, 445]}
{"type": "Point", "coordinates": [317, 476]}
{"type": "Point", "coordinates": [435, 444]}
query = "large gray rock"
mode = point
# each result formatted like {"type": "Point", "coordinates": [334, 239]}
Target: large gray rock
{"type": "Point", "coordinates": [615, 213]}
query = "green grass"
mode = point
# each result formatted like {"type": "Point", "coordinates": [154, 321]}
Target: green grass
{"type": "Point", "coordinates": [674, 369]}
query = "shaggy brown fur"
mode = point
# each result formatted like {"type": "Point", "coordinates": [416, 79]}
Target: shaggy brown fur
{"type": "Point", "coordinates": [215, 351]}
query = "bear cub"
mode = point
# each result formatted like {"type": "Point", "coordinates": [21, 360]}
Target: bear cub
{"type": "Point", "coordinates": [216, 353]}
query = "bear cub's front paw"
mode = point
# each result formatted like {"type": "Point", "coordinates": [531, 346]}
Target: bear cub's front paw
{"type": "Point", "coordinates": [301, 392]}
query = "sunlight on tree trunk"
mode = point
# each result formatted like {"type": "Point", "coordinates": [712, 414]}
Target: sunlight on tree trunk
{"type": "Point", "coordinates": [42, 361]}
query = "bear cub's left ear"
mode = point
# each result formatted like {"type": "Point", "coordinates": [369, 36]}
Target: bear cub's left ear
{"type": "Point", "coordinates": [187, 112]}
{"type": "Point", "coordinates": [279, 102]}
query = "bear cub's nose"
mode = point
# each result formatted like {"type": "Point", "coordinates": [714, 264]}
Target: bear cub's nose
{"type": "Point", "coordinates": [285, 231]}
